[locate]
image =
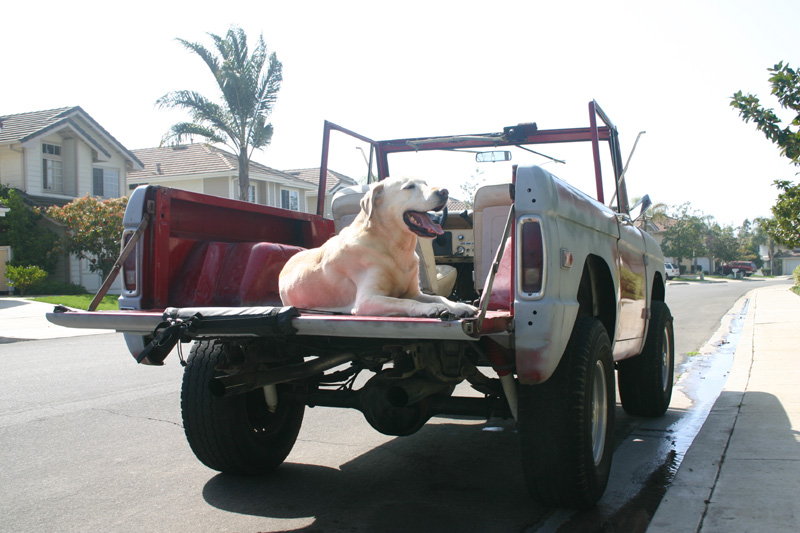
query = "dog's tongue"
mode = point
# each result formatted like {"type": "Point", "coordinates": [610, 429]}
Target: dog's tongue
{"type": "Point", "coordinates": [422, 223]}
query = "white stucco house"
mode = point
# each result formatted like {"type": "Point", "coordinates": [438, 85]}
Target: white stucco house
{"type": "Point", "coordinates": [57, 155]}
{"type": "Point", "coordinates": [211, 170]}
{"type": "Point", "coordinates": [790, 259]}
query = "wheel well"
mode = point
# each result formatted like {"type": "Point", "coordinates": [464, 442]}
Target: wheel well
{"type": "Point", "coordinates": [596, 293]}
{"type": "Point", "coordinates": [658, 288]}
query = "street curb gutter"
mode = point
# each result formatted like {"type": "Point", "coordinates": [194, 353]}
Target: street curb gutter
{"type": "Point", "coordinates": [684, 506]}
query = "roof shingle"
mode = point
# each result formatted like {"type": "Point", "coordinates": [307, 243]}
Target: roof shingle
{"type": "Point", "coordinates": [196, 159]}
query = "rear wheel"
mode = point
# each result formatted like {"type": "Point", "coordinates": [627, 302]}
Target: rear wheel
{"type": "Point", "coordinates": [645, 381]}
{"type": "Point", "coordinates": [236, 434]}
{"type": "Point", "coordinates": [566, 424]}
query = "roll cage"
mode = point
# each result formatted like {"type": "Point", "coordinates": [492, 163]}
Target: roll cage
{"type": "Point", "coordinates": [520, 135]}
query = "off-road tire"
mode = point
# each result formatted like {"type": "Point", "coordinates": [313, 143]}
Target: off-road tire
{"type": "Point", "coordinates": [645, 381]}
{"type": "Point", "coordinates": [566, 424]}
{"type": "Point", "coordinates": [236, 434]}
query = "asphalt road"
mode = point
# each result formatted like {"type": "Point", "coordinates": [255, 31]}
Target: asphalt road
{"type": "Point", "coordinates": [93, 442]}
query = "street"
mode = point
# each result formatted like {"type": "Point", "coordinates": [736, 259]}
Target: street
{"type": "Point", "coordinates": [92, 441]}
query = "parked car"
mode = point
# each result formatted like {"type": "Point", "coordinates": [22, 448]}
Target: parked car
{"type": "Point", "coordinates": [671, 271]}
{"type": "Point", "coordinates": [746, 267]}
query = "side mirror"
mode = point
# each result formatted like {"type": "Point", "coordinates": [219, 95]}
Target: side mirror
{"type": "Point", "coordinates": [645, 202]}
{"type": "Point", "coordinates": [493, 157]}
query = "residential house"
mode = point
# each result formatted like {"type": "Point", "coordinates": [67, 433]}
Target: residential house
{"type": "Point", "coordinates": [210, 170]}
{"type": "Point", "coordinates": [658, 228]}
{"type": "Point", "coordinates": [57, 155]}
{"type": "Point", "coordinates": [790, 259]}
{"type": "Point", "coordinates": [334, 182]}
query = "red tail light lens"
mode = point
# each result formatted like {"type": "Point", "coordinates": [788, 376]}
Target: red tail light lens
{"type": "Point", "coordinates": [531, 259]}
{"type": "Point", "coordinates": [130, 264]}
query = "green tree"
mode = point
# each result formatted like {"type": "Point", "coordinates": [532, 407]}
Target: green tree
{"type": "Point", "coordinates": [33, 244]}
{"type": "Point", "coordinates": [248, 97]}
{"type": "Point", "coordinates": [470, 186]}
{"type": "Point", "coordinates": [23, 277]}
{"type": "Point", "coordinates": [721, 243]}
{"type": "Point", "coordinates": [95, 230]}
{"type": "Point", "coordinates": [784, 228]}
{"type": "Point", "coordinates": [686, 238]}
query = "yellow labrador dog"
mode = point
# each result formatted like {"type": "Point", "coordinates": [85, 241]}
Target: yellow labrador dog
{"type": "Point", "coordinates": [371, 268]}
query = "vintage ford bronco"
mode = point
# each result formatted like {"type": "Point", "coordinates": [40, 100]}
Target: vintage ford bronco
{"type": "Point", "coordinates": [568, 290]}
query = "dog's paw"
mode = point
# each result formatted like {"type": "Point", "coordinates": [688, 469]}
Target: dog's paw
{"type": "Point", "coordinates": [463, 310]}
{"type": "Point", "coordinates": [434, 310]}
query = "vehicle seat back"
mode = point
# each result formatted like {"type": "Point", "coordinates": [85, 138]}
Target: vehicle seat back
{"type": "Point", "coordinates": [490, 212]}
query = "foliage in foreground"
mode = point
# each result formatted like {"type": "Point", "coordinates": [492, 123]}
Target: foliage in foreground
{"type": "Point", "coordinates": [33, 244]}
{"type": "Point", "coordinates": [23, 277]}
{"type": "Point", "coordinates": [95, 229]}
{"type": "Point", "coordinates": [784, 227]}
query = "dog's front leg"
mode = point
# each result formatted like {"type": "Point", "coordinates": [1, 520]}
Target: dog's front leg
{"type": "Point", "coordinates": [378, 305]}
{"type": "Point", "coordinates": [455, 308]}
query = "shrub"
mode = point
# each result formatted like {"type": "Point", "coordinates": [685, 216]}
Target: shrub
{"type": "Point", "coordinates": [56, 287]}
{"type": "Point", "coordinates": [22, 277]}
{"type": "Point", "coordinates": [796, 276]}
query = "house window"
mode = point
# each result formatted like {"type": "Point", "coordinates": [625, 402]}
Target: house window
{"type": "Point", "coordinates": [52, 173]}
{"type": "Point", "coordinates": [106, 182]}
{"type": "Point", "coordinates": [251, 193]}
{"type": "Point", "coordinates": [290, 200]}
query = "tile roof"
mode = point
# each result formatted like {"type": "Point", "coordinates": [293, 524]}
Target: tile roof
{"type": "Point", "coordinates": [197, 159]}
{"type": "Point", "coordinates": [21, 127]}
{"type": "Point", "coordinates": [334, 181]}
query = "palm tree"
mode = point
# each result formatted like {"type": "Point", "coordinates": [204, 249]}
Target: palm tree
{"type": "Point", "coordinates": [248, 96]}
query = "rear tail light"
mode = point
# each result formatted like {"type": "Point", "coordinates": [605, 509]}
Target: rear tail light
{"type": "Point", "coordinates": [129, 267]}
{"type": "Point", "coordinates": [531, 270]}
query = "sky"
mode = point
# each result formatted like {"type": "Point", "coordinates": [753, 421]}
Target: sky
{"type": "Point", "coordinates": [417, 68]}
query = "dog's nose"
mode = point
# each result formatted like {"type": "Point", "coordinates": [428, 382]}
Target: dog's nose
{"type": "Point", "coordinates": [443, 193]}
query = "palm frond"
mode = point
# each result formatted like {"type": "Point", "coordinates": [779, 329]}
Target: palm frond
{"type": "Point", "coordinates": [182, 130]}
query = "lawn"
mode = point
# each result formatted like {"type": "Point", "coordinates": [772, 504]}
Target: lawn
{"type": "Point", "coordinates": [81, 301]}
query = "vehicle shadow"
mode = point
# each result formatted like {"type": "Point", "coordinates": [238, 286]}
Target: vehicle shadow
{"type": "Point", "coordinates": [763, 450]}
{"type": "Point", "coordinates": [454, 477]}
{"type": "Point", "coordinates": [447, 477]}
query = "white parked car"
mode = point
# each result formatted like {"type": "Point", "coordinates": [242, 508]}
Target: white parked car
{"type": "Point", "coordinates": [671, 271]}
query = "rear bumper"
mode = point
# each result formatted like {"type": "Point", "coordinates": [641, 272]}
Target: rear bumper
{"type": "Point", "coordinates": [145, 322]}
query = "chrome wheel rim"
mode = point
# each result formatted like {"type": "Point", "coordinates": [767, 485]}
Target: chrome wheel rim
{"type": "Point", "coordinates": [666, 360]}
{"type": "Point", "coordinates": [599, 411]}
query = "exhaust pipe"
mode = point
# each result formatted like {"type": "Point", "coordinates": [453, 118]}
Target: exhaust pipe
{"type": "Point", "coordinates": [411, 390]}
{"type": "Point", "coordinates": [245, 382]}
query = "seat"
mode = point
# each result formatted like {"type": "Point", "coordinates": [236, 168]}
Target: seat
{"type": "Point", "coordinates": [490, 212]}
{"type": "Point", "coordinates": [433, 278]}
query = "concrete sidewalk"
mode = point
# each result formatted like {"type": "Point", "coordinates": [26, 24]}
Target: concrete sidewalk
{"type": "Point", "coordinates": [24, 320]}
{"type": "Point", "coordinates": [742, 472]}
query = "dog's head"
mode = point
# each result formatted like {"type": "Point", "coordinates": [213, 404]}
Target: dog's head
{"type": "Point", "coordinates": [406, 202]}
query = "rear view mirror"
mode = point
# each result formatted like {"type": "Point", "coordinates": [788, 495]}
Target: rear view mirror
{"type": "Point", "coordinates": [493, 157]}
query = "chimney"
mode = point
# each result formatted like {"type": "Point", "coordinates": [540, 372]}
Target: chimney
{"type": "Point", "coordinates": [158, 168]}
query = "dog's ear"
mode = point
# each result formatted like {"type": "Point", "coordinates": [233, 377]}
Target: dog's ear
{"type": "Point", "coordinates": [372, 198]}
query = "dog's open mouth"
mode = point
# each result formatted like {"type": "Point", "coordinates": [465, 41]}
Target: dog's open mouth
{"type": "Point", "coordinates": [421, 224]}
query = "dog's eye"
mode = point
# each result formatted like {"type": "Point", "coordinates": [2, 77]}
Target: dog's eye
{"type": "Point", "coordinates": [410, 186]}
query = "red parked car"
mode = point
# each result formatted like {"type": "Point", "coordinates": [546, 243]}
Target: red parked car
{"type": "Point", "coordinates": [747, 267]}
